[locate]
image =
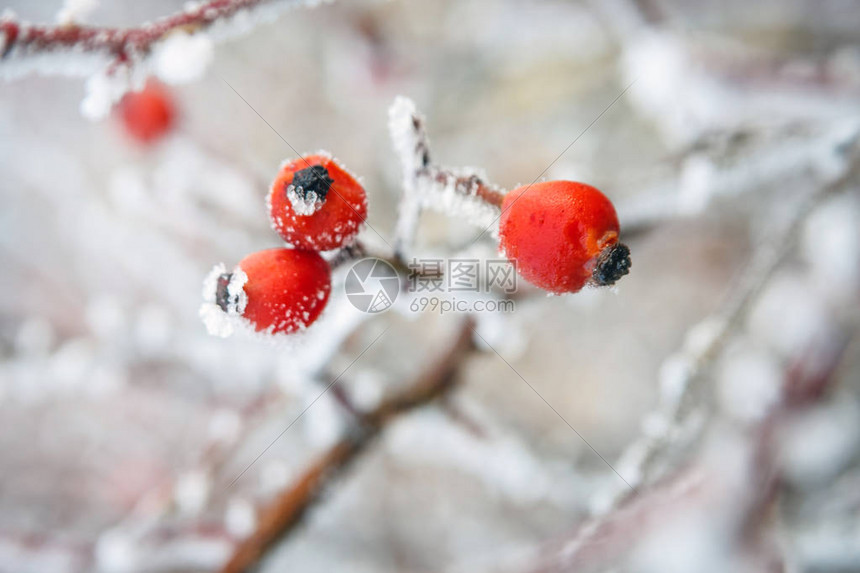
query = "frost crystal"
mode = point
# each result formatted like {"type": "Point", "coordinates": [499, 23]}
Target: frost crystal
{"type": "Point", "coordinates": [224, 300]}
{"type": "Point", "coordinates": [182, 58]}
{"type": "Point", "coordinates": [103, 92]}
{"type": "Point", "coordinates": [304, 202]}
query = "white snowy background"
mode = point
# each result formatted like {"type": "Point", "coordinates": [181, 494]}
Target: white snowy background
{"type": "Point", "coordinates": [124, 423]}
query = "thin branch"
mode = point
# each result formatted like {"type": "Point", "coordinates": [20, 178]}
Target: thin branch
{"type": "Point", "coordinates": [457, 192]}
{"type": "Point", "coordinates": [285, 511]}
{"type": "Point", "coordinates": [27, 48]}
{"type": "Point", "coordinates": [679, 399]}
{"type": "Point", "coordinates": [601, 541]}
{"type": "Point", "coordinates": [704, 181]}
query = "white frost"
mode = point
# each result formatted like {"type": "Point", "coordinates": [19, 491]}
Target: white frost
{"type": "Point", "coordinates": [103, 91]}
{"type": "Point", "coordinates": [115, 552]}
{"type": "Point", "coordinates": [324, 423]}
{"type": "Point", "coordinates": [192, 492]}
{"type": "Point", "coordinates": [749, 384]}
{"type": "Point", "coordinates": [218, 322]}
{"type": "Point", "coordinates": [76, 11]}
{"type": "Point", "coordinates": [790, 315]}
{"type": "Point", "coordinates": [307, 205]}
{"type": "Point", "coordinates": [831, 245]}
{"type": "Point", "coordinates": [818, 443]}
{"type": "Point", "coordinates": [240, 518]}
{"type": "Point", "coordinates": [183, 58]}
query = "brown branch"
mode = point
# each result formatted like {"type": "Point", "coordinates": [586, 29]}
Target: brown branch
{"type": "Point", "coordinates": [285, 511]}
{"type": "Point", "coordinates": [466, 185]}
{"type": "Point", "coordinates": [22, 40]}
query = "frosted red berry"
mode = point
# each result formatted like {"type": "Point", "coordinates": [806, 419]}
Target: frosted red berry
{"type": "Point", "coordinates": [149, 114]}
{"type": "Point", "coordinates": [277, 290]}
{"type": "Point", "coordinates": [562, 235]}
{"type": "Point", "coordinates": [315, 204]}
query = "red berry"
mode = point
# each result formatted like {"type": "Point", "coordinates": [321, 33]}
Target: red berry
{"type": "Point", "coordinates": [315, 204]}
{"type": "Point", "coordinates": [277, 291]}
{"type": "Point", "coordinates": [563, 235]}
{"type": "Point", "coordinates": [148, 114]}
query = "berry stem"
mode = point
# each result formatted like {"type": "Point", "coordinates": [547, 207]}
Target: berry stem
{"type": "Point", "coordinates": [466, 185]}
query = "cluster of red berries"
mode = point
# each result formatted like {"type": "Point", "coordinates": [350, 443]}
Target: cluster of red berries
{"type": "Point", "coordinates": [562, 235]}
{"type": "Point", "coordinates": [314, 205]}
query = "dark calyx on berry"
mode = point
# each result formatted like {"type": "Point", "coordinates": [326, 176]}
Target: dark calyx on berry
{"type": "Point", "coordinates": [222, 297]}
{"type": "Point", "coordinates": [314, 178]}
{"type": "Point", "coordinates": [612, 264]}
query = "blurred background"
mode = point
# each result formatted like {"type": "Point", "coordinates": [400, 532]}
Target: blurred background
{"type": "Point", "coordinates": [730, 158]}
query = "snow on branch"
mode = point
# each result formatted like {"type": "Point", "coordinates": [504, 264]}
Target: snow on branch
{"type": "Point", "coordinates": [75, 50]}
{"type": "Point", "coordinates": [682, 374]}
{"type": "Point", "coordinates": [285, 511]}
{"type": "Point", "coordinates": [731, 483]}
{"type": "Point", "coordinates": [463, 192]}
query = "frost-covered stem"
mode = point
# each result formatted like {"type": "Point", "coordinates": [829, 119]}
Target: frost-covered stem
{"type": "Point", "coordinates": [457, 192]}
{"type": "Point", "coordinates": [678, 399]}
{"type": "Point", "coordinates": [466, 185]}
{"type": "Point", "coordinates": [47, 47]}
{"type": "Point", "coordinates": [701, 182]}
{"type": "Point", "coordinates": [284, 512]}
{"type": "Point", "coordinates": [406, 127]}
{"type": "Point", "coordinates": [601, 542]}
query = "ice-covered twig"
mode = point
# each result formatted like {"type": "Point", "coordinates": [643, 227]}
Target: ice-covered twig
{"type": "Point", "coordinates": [683, 374]}
{"type": "Point", "coordinates": [457, 192]}
{"type": "Point", "coordinates": [703, 181]}
{"type": "Point", "coordinates": [76, 50]}
{"type": "Point", "coordinates": [285, 511]}
{"type": "Point", "coordinates": [746, 487]}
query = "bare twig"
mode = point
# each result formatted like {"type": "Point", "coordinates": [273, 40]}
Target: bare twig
{"type": "Point", "coordinates": [285, 511]}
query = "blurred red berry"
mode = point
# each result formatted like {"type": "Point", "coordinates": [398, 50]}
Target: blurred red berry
{"type": "Point", "coordinates": [563, 235]}
{"type": "Point", "coordinates": [284, 290]}
{"type": "Point", "coordinates": [149, 114]}
{"type": "Point", "coordinates": [315, 204]}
